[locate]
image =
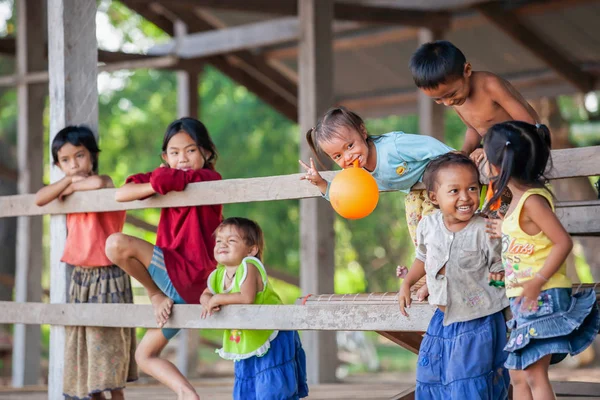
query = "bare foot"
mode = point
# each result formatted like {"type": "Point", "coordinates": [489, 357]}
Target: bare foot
{"type": "Point", "coordinates": [187, 394]}
{"type": "Point", "coordinates": [162, 308]}
{"type": "Point", "coordinates": [117, 394]}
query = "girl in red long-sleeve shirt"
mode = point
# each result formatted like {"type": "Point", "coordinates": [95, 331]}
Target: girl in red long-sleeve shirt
{"type": "Point", "coordinates": [175, 270]}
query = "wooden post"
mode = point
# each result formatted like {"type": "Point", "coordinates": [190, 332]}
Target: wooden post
{"type": "Point", "coordinates": [431, 115]}
{"type": "Point", "coordinates": [30, 149]}
{"type": "Point", "coordinates": [317, 238]}
{"type": "Point", "coordinates": [72, 56]}
{"type": "Point", "coordinates": [187, 106]}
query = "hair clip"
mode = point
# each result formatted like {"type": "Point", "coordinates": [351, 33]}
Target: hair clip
{"type": "Point", "coordinates": [538, 125]}
{"type": "Point", "coordinates": [507, 143]}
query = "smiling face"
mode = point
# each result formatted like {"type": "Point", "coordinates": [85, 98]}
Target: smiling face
{"type": "Point", "coordinates": [453, 93]}
{"type": "Point", "coordinates": [75, 160]}
{"type": "Point", "coordinates": [456, 194]}
{"type": "Point", "coordinates": [346, 147]}
{"type": "Point", "coordinates": [231, 247]}
{"type": "Point", "coordinates": [183, 153]}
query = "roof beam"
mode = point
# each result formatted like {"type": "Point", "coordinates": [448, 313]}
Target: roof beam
{"type": "Point", "coordinates": [342, 11]}
{"type": "Point", "coordinates": [511, 25]}
{"type": "Point", "coordinates": [234, 72]}
{"type": "Point", "coordinates": [204, 44]}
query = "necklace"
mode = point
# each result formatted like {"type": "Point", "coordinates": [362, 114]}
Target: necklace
{"type": "Point", "coordinates": [229, 278]}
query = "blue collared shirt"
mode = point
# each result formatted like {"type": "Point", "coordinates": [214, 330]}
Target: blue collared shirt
{"type": "Point", "coordinates": [402, 158]}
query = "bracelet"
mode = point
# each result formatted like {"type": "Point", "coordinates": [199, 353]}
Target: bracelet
{"type": "Point", "coordinates": [541, 276]}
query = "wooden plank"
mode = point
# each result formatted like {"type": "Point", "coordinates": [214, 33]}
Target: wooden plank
{"type": "Point", "coordinates": [254, 189]}
{"type": "Point", "coordinates": [377, 14]}
{"type": "Point", "coordinates": [409, 340]}
{"type": "Point", "coordinates": [317, 237]}
{"type": "Point", "coordinates": [431, 115]}
{"type": "Point", "coordinates": [254, 65]}
{"type": "Point", "coordinates": [204, 44]}
{"type": "Point", "coordinates": [408, 394]}
{"type": "Point", "coordinates": [72, 59]}
{"type": "Point", "coordinates": [510, 24]}
{"type": "Point", "coordinates": [31, 15]}
{"type": "Point", "coordinates": [338, 317]}
{"type": "Point", "coordinates": [187, 106]}
{"type": "Point", "coordinates": [576, 389]}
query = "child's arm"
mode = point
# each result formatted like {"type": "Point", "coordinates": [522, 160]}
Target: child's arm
{"type": "Point", "coordinates": [48, 193]}
{"type": "Point", "coordinates": [503, 93]}
{"type": "Point", "coordinates": [472, 140]}
{"type": "Point", "coordinates": [165, 180]}
{"type": "Point", "coordinates": [134, 191]}
{"type": "Point", "coordinates": [247, 293]}
{"type": "Point", "coordinates": [539, 212]}
{"type": "Point", "coordinates": [93, 182]}
{"type": "Point", "coordinates": [416, 272]}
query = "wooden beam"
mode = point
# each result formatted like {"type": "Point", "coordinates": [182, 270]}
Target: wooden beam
{"type": "Point", "coordinates": [187, 106]}
{"type": "Point", "coordinates": [31, 15]}
{"type": "Point", "coordinates": [204, 44]}
{"type": "Point", "coordinates": [234, 72]}
{"type": "Point", "coordinates": [230, 191]}
{"type": "Point", "coordinates": [431, 115]}
{"type": "Point", "coordinates": [342, 11]}
{"type": "Point", "coordinates": [317, 238]}
{"type": "Point", "coordinates": [253, 65]}
{"type": "Point", "coordinates": [511, 24]}
{"type": "Point", "coordinates": [392, 15]}
{"type": "Point", "coordinates": [576, 389]}
{"type": "Point", "coordinates": [72, 59]}
{"type": "Point", "coordinates": [339, 317]}
{"type": "Point", "coordinates": [407, 394]}
{"type": "Point", "coordinates": [409, 340]}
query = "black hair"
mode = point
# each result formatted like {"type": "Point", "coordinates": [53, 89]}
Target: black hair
{"type": "Point", "coordinates": [77, 135]}
{"type": "Point", "coordinates": [521, 151]}
{"type": "Point", "coordinates": [328, 127]}
{"type": "Point", "coordinates": [197, 132]}
{"type": "Point", "coordinates": [435, 63]}
{"type": "Point", "coordinates": [444, 161]}
{"type": "Point", "coordinates": [251, 232]}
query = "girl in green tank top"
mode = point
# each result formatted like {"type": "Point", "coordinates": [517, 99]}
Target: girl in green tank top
{"type": "Point", "coordinates": [268, 364]}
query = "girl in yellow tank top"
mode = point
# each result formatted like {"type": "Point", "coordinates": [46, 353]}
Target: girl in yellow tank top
{"type": "Point", "coordinates": [548, 321]}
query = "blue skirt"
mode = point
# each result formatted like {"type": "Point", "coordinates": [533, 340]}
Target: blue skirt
{"type": "Point", "coordinates": [463, 360]}
{"type": "Point", "coordinates": [278, 375]}
{"type": "Point", "coordinates": [563, 324]}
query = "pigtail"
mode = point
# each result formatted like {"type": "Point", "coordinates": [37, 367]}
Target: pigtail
{"type": "Point", "coordinates": [501, 181]}
{"type": "Point", "coordinates": [313, 146]}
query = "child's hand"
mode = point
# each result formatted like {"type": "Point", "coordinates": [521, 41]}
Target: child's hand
{"type": "Point", "coordinates": [531, 292]}
{"type": "Point", "coordinates": [401, 271]}
{"type": "Point", "coordinates": [477, 156]}
{"type": "Point", "coordinates": [206, 300]}
{"type": "Point", "coordinates": [493, 226]}
{"type": "Point", "coordinates": [496, 276]}
{"type": "Point", "coordinates": [422, 293]}
{"type": "Point", "coordinates": [312, 175]}
{"type": "Point", "coordinates": [68, 190]}
{"type": "Point", "coordinates": [404, 299]}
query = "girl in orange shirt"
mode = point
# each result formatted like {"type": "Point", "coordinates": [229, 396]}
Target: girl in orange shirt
{"type": "Point", "coordinates": [97, 359]}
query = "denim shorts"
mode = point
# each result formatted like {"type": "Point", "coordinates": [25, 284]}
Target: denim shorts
{"type": "Point", "coordinates": [562, 324]}
{"type": "Point", "coordinates": [159, 275]}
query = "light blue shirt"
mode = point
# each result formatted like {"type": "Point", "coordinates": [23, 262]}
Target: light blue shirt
{"type": "Point", "coordinates": [402, 158]}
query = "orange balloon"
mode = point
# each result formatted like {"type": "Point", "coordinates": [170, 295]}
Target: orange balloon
{"type": "Point", "coordinates": [354, 193]}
